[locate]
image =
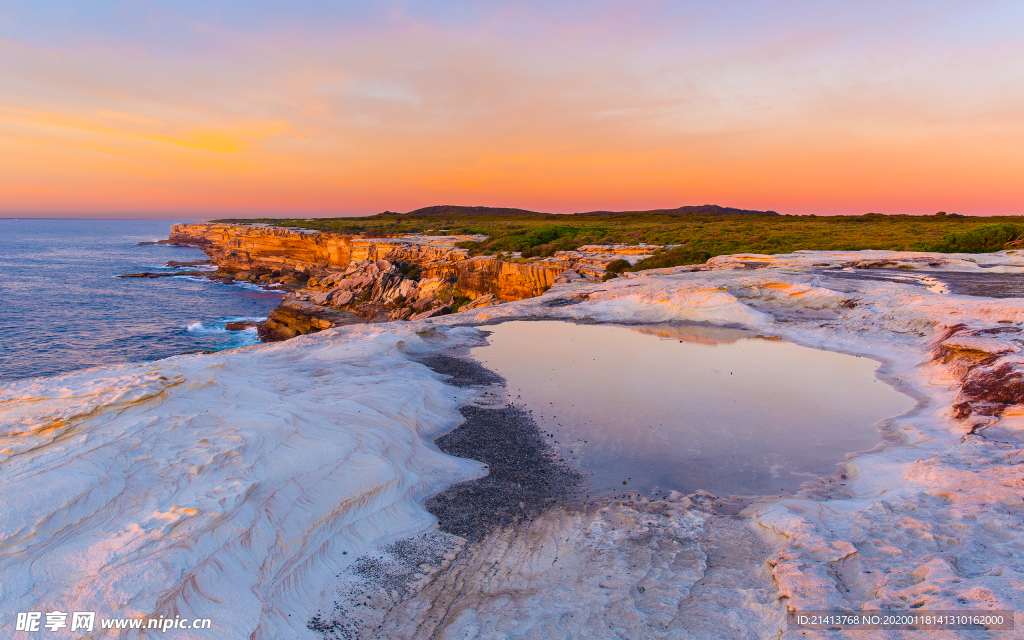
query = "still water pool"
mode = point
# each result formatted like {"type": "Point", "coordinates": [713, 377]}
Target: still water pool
{"type": "Point", "coordinates": [670, 407]}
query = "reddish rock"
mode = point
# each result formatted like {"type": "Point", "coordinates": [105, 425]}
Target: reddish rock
{"type": "Point", "coordinates": [439, 311]}
{"type": "Point", "coordinates": [422, 304]}
{"type": "Point", "coordinates": [364, 275]}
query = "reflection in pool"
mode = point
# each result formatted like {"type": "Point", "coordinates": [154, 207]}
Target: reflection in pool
{"type": "Point", "coordinates": [669, 407]}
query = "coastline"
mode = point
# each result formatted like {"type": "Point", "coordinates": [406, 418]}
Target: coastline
{"type": "Point", "coordinates": [334, 279]}
{"type": "Point", "coordinates": [66, 309]}
{"type": "Point", "coordinates": [921, 522]}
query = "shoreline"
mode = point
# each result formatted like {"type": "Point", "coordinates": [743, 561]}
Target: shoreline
{"type": "Point", "coordinates": [334, 279]}
{"type": "Point", "coordinates": [926, 522]}
{"type": "Point", "coordinates": [773, 520]}
{"type": "Point", "coordinates": [528, 485]}
{"type": "Point", "coordinates": [524, 473]}
{"type": "Point", "coordinates": [66, 310]}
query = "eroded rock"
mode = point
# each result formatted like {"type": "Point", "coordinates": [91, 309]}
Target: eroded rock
{"type": "Point", "coordinates": [374, 278]}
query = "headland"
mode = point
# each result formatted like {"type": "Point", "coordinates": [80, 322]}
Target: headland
{"type": "Point", "coordinates": [271, 488]}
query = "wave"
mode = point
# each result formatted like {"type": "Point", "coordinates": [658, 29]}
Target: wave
{"type": "Point", "coordinates": [265, 288]}
{"type": "Point", "coordinates": [219, 325]}
{"type": "Point", "coordinates": [257, 287]}
{"type": "Point", "coordinates": [191, 267]}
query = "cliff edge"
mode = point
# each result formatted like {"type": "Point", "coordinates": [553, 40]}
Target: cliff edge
{"type": "Point", "coordinates": [336, 279]}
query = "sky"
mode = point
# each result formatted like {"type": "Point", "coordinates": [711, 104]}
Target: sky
{"type": "Point", "coordinates": [196, 108]}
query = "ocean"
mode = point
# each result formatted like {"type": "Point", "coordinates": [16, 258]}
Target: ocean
{"type": "Point", "coordinates": [63, 308]}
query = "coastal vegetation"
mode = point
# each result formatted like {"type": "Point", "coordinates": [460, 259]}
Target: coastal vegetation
{"type": "Point", "coordinates": [689, 237]}
{"type": "Point", "coordinates": [982, 239]}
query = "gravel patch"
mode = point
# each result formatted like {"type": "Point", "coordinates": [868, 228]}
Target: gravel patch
{"type": "Point", "coordinates": [525, 475]}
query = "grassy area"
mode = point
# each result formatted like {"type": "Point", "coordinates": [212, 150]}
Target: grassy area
{"type": "Point", "coordinates": [698, 235]}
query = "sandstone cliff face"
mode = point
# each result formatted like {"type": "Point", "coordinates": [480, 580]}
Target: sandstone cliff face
{"type": "Point", "coordinates": [507, 281]}
{"type": "Point", "coordinates": [256, 248]}
{"type": "Point", "coordinates": [341, 277]}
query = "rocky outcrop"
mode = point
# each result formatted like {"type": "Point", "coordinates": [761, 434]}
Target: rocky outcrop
{"type": "Point", "coordinates": [295, 317]}
{"type": "Point", "coordinates": [258, 248]}
{"type": "Point", "coordinates": [506, 281]}
{"type": "Point", "coordinates": [340, 279]}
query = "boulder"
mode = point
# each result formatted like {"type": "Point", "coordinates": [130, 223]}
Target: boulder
{"type": "Point", "coordinates": [439, 311]}
{"type": "Point", "coordinates": [342, 298]}
{"type": "Point", "coordinates": [567, 276]}
{"type": "Point", "coordinates": [293, 317]}
{"type": "Point", "coordinates": [428, 286]}
{"type": "Point", "coordinates": [422, 304]}
{"type": "Point", "coordinates": [241, 326]}
{"type": "Point", "coordinates": [407, 289]}
{"type": "Point", "coordinates": [482, 301]}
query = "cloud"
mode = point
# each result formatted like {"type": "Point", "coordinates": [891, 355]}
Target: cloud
{"type": "Point", "coordinates": [562, 107]}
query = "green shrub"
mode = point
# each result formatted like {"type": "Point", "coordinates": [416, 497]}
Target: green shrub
{"type": "Point", "coordinates": [617, 266]}
{"type": "Point", "coordinates": [548, 234]}
{"type": "Point", "coordinates": [672, 258]}
{"type": "Point", "coordinates": [543, 250]}
{"type": "Point", "coordinates": [990, 237]}
{"type": "Point", "coordinates": [460, 299]}
{"type": "Point", "coordinates": [409, 270]}
{"type": "Point", "coordinates": [539, 242]}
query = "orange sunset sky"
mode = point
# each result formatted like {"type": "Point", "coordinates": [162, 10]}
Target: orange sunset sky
{"type": "Point", "coordinates": [182, 109]}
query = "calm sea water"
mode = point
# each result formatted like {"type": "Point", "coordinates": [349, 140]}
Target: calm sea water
{"type": "Point", "coordinates": [62, 306]}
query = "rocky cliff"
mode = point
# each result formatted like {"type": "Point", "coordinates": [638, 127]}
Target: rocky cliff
{"type": "Point", "coordinates": [337, 278]}
{"type": "Point", "coordinates": [256, 248]}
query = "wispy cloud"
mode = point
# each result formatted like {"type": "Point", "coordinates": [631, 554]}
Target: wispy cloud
{"type": "Point", "coordinates": [324, 107]}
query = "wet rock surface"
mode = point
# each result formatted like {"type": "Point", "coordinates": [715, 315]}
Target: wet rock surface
{"type": "Point", "coordinates": [982, 285]}
{"type": "Point", "coordinates": [242, 325]}
{"type": "Point", "coordinates": [378, 581]}
{"type": "Point", "coordinates": [165, 274]}
{"type": "Point", "coordinates": [665, 569]}
{"type": "Point", "coordinates": [985, 285]}
{"type": "Point", "coordinates": [538, 562]}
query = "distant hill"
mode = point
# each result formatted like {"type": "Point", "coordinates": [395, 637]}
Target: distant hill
{"type": "Point", "coordinates": [456, 210]}
{"type": "Point", "coordinates": [701, 210]}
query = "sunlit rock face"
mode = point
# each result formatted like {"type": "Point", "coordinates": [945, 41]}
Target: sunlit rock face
{"type": "Point", "coordinates": [368, 277]}
{"type": "Point", "coordinates": [507, 281]}
{"type": "Point", "coordinates": [239, 485]}
{"type": "Point", "coordinates": [242, 248]}
{"type": "Point", "coordinates": [236, 247]}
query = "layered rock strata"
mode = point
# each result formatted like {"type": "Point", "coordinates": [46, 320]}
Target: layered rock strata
{"type": "Point", "coordinates": [339, 279]}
